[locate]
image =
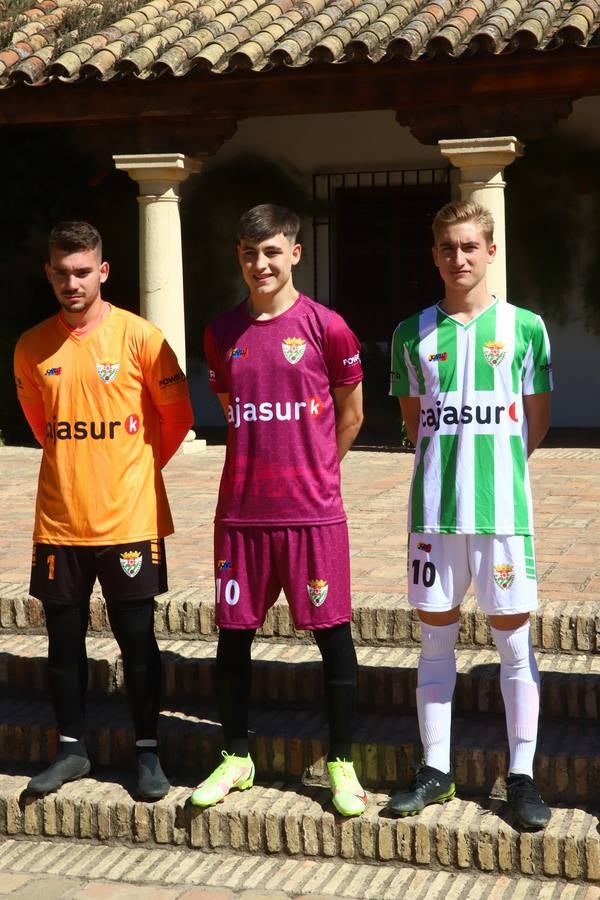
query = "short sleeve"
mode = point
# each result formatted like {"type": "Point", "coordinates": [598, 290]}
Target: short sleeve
{"type": "Point", "coordinates": [28, 389]}
{"type": "Point", "coordinates": [537, 374]}
{"type": "Point", "coordinates": [217, 376]}
{"type": "Point", "coordinates": [342, 353]}
{"type": "Point", "coordinates": [163, 375]}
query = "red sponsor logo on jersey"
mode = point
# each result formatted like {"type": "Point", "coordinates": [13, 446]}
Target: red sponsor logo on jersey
{"type": "Point", "coordinates": [132, 424]}
{"type": "Point", "coordinates": [55, 370]}
{"type": "Point", "coordinates": [438, 357]}
{"type": "Point", "coordinates": [426, 548]}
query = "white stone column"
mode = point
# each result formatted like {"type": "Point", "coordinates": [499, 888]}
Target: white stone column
{"type": "Point", "coordinates": [481, 162]}
{"type": "Point", "coordinates": [159, 176]}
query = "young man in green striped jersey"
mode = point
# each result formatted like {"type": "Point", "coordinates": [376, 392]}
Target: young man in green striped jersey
{"type": "Point", "coordinates": [473, 376]}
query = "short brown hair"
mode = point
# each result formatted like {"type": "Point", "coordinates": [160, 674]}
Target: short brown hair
{"type": "Point", "coordinates": [460, 211]}
{"type": "Point", "coordinates": [267, 220]}
{"type": "Point", "coordinates": [74, 236]}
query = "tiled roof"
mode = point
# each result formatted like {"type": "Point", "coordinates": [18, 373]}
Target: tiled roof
{"type": "Point", "coordinates": [106, 39]}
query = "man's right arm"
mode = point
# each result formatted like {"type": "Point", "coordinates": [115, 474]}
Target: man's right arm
{"type": "Point", "coordinates": [29, 395]}
{"type": "Point", "coordinates": [411, 407]}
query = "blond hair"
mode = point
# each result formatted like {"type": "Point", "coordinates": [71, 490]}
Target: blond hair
{"type": "Point", "coordinates": [459, 211]}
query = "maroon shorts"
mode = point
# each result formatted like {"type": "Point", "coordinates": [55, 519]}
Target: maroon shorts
{"type": "Point", "coordinates": [310, 563]}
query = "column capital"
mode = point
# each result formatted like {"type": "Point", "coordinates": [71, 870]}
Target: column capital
{"type": "Point", "coordinates": [493, 153]}
{"type": "Point", "coordinates": [155, 172]}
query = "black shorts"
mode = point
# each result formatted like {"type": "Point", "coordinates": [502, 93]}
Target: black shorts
{"type": "Point", "coordinates": [126, 572]}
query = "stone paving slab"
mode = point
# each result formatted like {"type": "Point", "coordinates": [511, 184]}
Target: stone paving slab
{"type": "Point", "coordinates": [565, 483]}
{"type": "Point", "coordinates": [95, 872]}
{"type": "Point", "coordinates": [294, 821]}
{"type": "Point", "coordinates": [290, 675]}
{"type": "Point", "coordinates": [293, 745]}
{"type": "Point", "coordinates": [379, 619]}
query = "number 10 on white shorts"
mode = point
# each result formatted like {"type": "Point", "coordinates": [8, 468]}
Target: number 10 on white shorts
{"type": "Point", "coordinates": [501, 568]}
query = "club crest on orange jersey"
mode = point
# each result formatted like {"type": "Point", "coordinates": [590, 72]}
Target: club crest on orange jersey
{"type": "Point", "coordinates": [293, 349]}
{"type": "Point", "coordinates": [107, 371]}
{"type": "Point", "coordinates": [504, 576]}
{"type": "Point", "coordinates": [493, 353]}
{"type": "Point", "coordinates": [131, 562]}
{"type": "Point", "coordinates": [317, 591]}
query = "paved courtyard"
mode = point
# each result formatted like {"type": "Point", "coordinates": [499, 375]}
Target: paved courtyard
{"type": "Point", "coordinates": [566, 487]}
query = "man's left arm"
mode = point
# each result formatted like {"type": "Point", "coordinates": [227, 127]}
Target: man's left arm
{"type": "Point", "coordinates": [537, 412]}
{"type": "Point", "coordinates": [175, 420]}
{"type": "Point", "coordinates": [169, 391]}
{"type": "Point", "coordinates": [348, 415]}
{"type": "Point", "coordinates": [537, 385]}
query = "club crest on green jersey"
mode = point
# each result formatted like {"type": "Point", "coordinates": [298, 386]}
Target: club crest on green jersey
{"type": "Point", "coordinates": [317, 591]}
{"type": "Point", "coordinates": [504, 576]}
{"type": "Point", "coordinates": [131, 562]}
{"type": "Point", "coordinates": [293, 349]}
{"type": "Point", "coordinates": [107, 371]}
{"type": "Point", "coordinates": [493, 353]}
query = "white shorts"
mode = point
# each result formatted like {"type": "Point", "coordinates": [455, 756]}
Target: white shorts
{"type": "Point", "coordinates": [501, 567]}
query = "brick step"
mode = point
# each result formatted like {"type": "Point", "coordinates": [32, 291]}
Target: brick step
{"type": "Point", "coordinates": [293, 744]}
{"type": "Point", "coordinates": [299, 821]}
{"type": "Point", "coordinates": [289, 674]}
{"type": "Point", "coordinates": [378, 619]}
{"type": "Point", "coordinates": [66, 865]}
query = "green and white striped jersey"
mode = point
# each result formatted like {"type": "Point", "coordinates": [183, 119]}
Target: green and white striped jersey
{"type": "Point", "coordinates": [470, 474]}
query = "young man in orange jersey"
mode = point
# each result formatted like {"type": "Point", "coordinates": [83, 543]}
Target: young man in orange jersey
{"type": "Point", "coordinates": [105, 397]}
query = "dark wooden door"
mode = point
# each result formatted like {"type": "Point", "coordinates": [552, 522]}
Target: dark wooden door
{"type": "Point", "coordinates": [383, 270]}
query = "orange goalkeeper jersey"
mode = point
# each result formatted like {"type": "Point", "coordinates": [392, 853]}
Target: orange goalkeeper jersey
{"type": "Point", "coordinates": [100, 481]}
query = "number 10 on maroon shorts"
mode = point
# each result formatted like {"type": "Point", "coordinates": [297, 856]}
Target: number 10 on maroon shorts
{"type": "Point", "coordinates": [310, 563]}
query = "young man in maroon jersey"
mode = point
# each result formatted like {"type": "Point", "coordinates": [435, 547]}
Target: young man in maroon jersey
{"type": "Point", "coordinates": [288, 374]}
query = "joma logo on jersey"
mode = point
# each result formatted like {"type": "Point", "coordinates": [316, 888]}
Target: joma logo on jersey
{"type": "Point", "coordinates": [426, 548]}
{"type": "Point", "coordinates": [268, 412]}
{"type": "Point", "coordinates": [97, 431]}
{"type": "Point", "coordinates": [438, 357]}
{"type": "Point", "coordinates": [238, 353]}
{"type": "Point", "coordinates": [56, 370]}
{"type": "Point", "coordinates": [465, 415]}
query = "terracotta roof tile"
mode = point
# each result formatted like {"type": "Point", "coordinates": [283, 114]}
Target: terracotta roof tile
{"type": "Point", "coordinates": [77, 39]}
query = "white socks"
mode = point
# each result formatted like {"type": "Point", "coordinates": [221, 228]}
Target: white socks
{"type": "Point", "coordinates": [435, 687]}
{"type": "Point", "coordinates": [520, 684]}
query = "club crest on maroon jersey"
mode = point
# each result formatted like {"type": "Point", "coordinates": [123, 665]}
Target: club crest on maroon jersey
{"type": "Point", "coordinates": [293, 349]}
